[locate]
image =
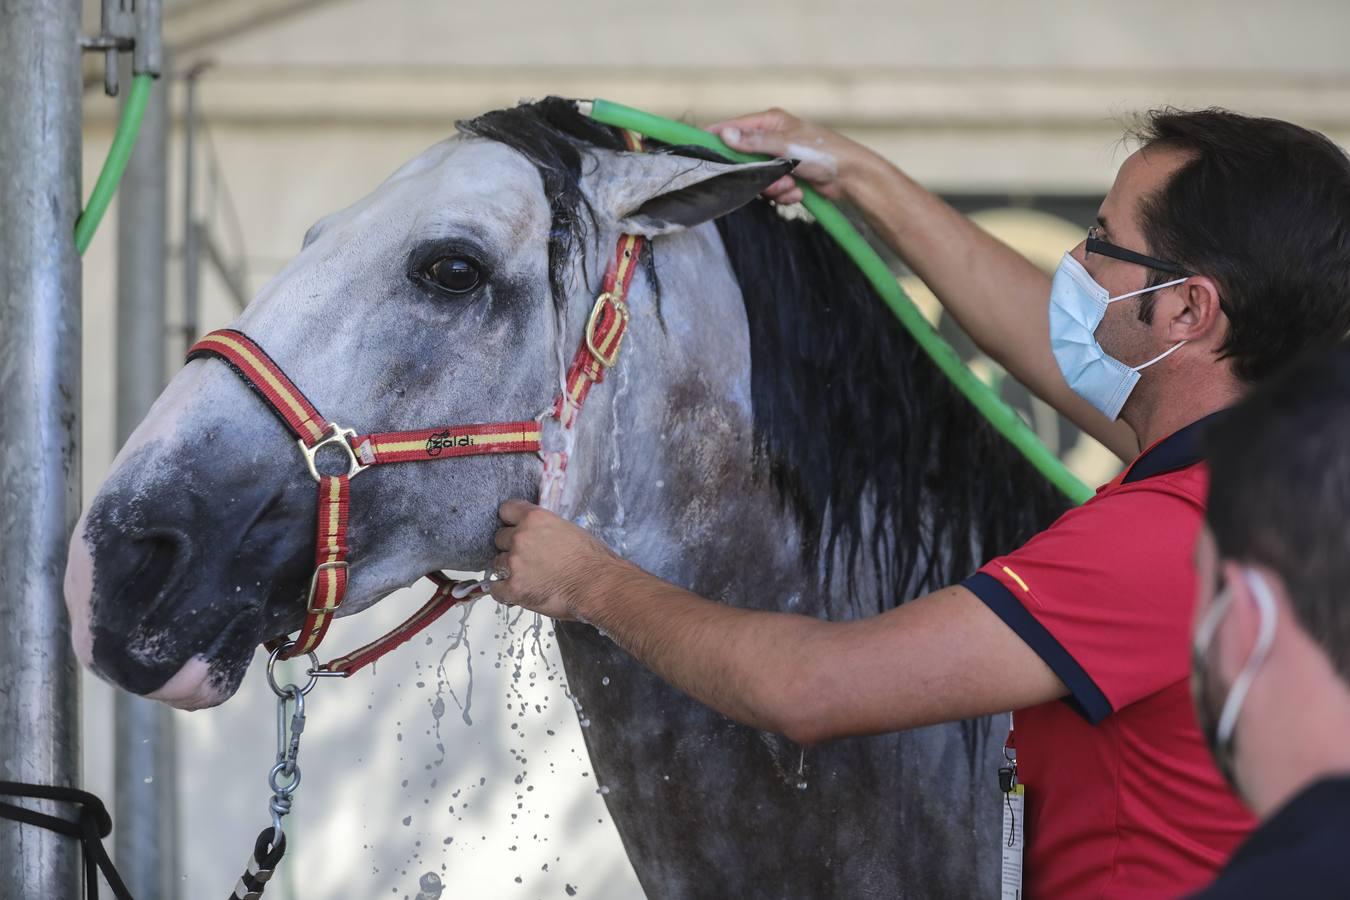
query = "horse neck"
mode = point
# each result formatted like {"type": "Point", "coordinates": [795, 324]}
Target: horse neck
{"type": "Point", "coordinates": [663, 468]}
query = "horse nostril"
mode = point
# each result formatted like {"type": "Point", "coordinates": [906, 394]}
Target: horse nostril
{"type": "Point", "coordinates": [137, 583]}
{"type": "Point", "coordinates": [156, 556]}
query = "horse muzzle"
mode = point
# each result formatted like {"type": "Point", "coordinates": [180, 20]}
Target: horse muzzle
{"type": "Point", "coordinates": [168, 581]}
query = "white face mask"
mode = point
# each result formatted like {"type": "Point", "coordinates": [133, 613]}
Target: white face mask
{"type": "Point", "coordinates": [1077, 305]}
{"type": "Point", "coordinates": [1219, 726]}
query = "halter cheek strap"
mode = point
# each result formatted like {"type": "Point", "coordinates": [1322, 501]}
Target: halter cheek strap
{"type": "Point", "coordinates": [598, 352]}
{"type": "Point", "coordinates": [328, 584]}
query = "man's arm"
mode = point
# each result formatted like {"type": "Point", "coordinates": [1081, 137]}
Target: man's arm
{"type": "Point", "coordinates": [941, 657]}
{"type": "Point", "coordinates": [995, 293]}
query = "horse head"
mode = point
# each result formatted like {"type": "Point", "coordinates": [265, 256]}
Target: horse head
{"type": "Point", "coordinates": [452, 294]}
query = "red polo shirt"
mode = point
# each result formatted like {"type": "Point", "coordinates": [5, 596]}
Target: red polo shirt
{"type": "Point", "coordinates": [1122, 797]}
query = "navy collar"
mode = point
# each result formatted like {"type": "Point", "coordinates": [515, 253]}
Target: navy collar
{"type": "Point", "coordinates": [1176, 451]}
{"type": "Point", "coordinates": [1317, 810]}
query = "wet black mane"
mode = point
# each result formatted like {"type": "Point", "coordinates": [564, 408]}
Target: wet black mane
{"type": "Point", "coordinates": [847, 408]}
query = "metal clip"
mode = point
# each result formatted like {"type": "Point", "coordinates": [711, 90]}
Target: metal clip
{"type": "Point", "coordinates": [284, 776]}
{"type": "Point", "coordinates": [334, 435]}
{"type": "Point", "coordinates": [620, 309]}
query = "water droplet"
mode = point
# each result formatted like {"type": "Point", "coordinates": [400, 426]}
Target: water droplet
{"type": "Point", "coordinates": [801, 785]}
{"type": "Point", "coordinates": [407, 820]}
{"type": "Point", "coordinates": [605, 681]}
{"type": "Point", "coordinates": [431, 887]}
{"type": "Point", "coordinates": [571, 891]}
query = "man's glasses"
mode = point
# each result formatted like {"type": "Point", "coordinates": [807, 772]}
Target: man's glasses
{"type": "Point", "coordinates": [1105, 248]}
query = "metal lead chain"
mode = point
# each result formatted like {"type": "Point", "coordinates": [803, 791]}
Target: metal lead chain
{"type": "Point", "coordinates": [284, 776]}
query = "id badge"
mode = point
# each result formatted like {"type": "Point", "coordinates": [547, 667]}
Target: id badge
{"type": "Point", "coordinates": [1014, 820]}
{"type": "Point", "coordinates": [1014, 839]}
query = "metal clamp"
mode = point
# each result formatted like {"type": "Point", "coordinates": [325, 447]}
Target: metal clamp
{"type": "Point", "coordinates": [342, 437]}
{"type": "Point", "coordinates": [133, 27]}
{"type": "Point", "coordinates": [621, 309]}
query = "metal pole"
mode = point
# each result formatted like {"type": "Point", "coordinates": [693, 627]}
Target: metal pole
{"type": "Point", "coordinates": [234, 282]}
{"type": "Point", "coordinates": [144, 803]}
{"type": "Point", "coordinates": [192, 266]}
{"type": "Point", "coordinates": [40, 405]}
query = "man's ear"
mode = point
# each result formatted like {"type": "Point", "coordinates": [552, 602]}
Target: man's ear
{"type": "Point", "coordinates": [1199, 314]}
{"type": "Point", "coordinates": [660, 193]}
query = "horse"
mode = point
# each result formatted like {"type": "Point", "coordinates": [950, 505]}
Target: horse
{"type": "Point", "coordinates": [770, 438]}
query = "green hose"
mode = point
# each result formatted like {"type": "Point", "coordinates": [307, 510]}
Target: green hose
{"type": "Point", "coordinates": [999, 414]}
{"type": "Point", "coordinates": [124, 141]}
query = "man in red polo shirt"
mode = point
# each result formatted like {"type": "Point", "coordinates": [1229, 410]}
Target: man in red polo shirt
{"type": "Point", "coordinates": [1221, 250]}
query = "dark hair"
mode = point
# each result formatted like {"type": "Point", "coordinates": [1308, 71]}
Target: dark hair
{"type": "Point", "coordinates": [1280, 491]}
{"type": "Point", "coordinates": [1262, 207]}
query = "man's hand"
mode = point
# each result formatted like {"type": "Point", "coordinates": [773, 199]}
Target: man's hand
{"type": "Point", "coordinates": [826, 157]}
{"type": "Point", "coordinates": [546, 563]}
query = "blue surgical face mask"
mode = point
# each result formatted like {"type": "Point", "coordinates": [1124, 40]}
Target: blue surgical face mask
{"type": "Point", "coordinates": [1077, 306]}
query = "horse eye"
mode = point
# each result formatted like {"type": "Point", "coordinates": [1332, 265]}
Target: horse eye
{"type": "Point", "coordinates": [457, 274]}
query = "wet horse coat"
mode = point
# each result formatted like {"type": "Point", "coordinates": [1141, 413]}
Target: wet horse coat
{"type": "Point", "coordinates": [770, 438]}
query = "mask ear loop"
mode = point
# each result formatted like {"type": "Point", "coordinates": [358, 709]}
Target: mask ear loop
{"type": "Point", "coordinates": [1160, 357]}
{"type": "Point", "coordinates": [1145, 290]}
{"type": "Point", "coordinates": [1157, 287]}
{"type": "Point", "coordinates": [1265, 636]}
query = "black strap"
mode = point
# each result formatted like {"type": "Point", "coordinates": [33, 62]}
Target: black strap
{"type": "Point", "coordinates": [93, 825]}
{"type": "Point", "coordinates": [261, 865]}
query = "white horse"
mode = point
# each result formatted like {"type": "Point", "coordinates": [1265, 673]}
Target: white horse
{"type": "Point", "coordinates": [769, 437]}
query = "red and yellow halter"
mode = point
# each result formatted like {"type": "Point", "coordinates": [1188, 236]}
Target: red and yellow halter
{"type": "Point", "coordinates": [599, 351]}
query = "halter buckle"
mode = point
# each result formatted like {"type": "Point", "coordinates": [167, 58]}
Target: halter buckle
{"type": "Point", "coordinates": [606, 359]}
{"type": "Point", "coordinates": [314, 587]}
{"type": "Point", "coordinates": [334, 435]}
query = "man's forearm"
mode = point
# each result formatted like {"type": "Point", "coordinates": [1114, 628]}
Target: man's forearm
{"type": "Point", "coordinates": [742, 663]}
{"type": "Point", "coordinates": [984, 283]}
{"type": "Point", "coordinates": [938, 657]}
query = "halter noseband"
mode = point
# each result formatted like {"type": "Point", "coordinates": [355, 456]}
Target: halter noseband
{"type": "Point", "coordinates": [599, 351]}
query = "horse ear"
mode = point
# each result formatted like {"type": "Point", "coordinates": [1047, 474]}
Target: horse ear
{"type": "Point", "coordinates": [661, 194]}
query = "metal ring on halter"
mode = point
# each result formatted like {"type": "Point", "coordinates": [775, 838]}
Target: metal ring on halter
{"type": "Point", "coordinates": [342, 437]}
{"type": "Point", "coordinates": [272, 662]}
